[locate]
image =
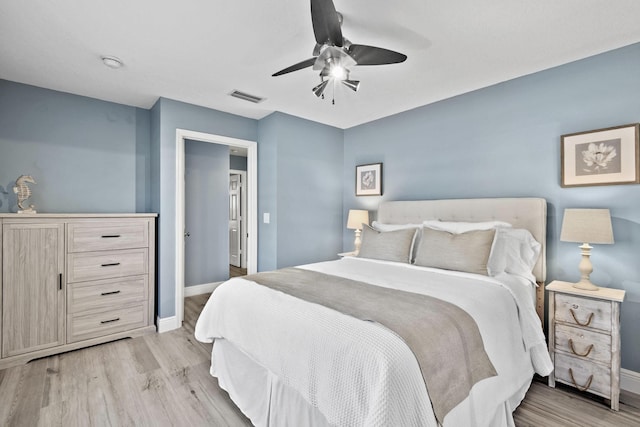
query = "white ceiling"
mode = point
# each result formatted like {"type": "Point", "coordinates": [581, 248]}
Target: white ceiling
{"type": "Point", "coordinates": [198, 51]}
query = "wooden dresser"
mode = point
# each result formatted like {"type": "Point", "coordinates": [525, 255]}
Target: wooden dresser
{"type": "Point", "coordinates": [584, 339]}
{"type": "Point", "coordinates": [74, 280]}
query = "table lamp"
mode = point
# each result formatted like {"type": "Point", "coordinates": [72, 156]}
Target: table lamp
{"type": "Point", "coordinates": [586, 226]}
{"type": "Point", "coordinates": [354, 222]}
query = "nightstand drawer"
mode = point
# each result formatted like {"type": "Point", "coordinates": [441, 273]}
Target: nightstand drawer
{"type": "Point", "coordinates": [104, 236]}
{"type": "Point", "coordinates": [87, 266]}
{"type": "Point", "coordinates": [582, 374]}
{"type": "Point", "coordinates": [583, 343]}
{"type": "Point", "coordinates": [106, 294]}
{"type": "Point", "coordinates": [97, 324]}
{"type": "Point", "coordinates": [586, 312]}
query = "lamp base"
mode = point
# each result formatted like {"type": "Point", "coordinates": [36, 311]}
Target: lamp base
{"type": "Point", "coordinates": [357, 242]}
{"type": "Point", "coordinates": [586, 269]}
{"type": "Point", "coordinates": [585, 285]}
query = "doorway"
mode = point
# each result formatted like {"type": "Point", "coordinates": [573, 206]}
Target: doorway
{"type": "Point", "coordinates": [237, 223]}
{"type": "Point", "coordinates": [251, 205]}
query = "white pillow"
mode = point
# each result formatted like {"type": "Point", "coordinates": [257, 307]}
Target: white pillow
{"type": "Point", "coordinates": [381, 226]}
{"type": "Point", "coordinates": [514, 251]}
{"type": "Point", "coordinates": [458, 227]}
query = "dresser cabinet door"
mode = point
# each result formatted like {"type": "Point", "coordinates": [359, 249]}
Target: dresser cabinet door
{"type": "Point", "coordinates": [32, 294]}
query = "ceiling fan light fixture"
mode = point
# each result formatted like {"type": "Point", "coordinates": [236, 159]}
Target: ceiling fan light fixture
{"type": "Point", "coordinates": [354, 85]}
{"type": "Point", "coordinates": [334, 55]}
{"type": "Point", "coordinates": [319, 90]}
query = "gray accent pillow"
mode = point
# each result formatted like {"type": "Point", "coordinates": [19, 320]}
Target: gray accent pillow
{"type": "Point", "coordinates": [387, 245]}
{"type": "Point", "coordinates": [468, 252]}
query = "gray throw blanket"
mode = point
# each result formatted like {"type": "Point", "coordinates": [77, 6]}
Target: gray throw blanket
{"type": "Point", "coordinates": [444, 338]}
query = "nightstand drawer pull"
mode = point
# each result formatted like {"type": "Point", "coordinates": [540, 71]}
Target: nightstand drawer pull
{"type": "Point", "coordinates": [117, 318]}
{"type": "Point", "coordinates": [573, 314]}
{"type": "Point", "coordinates": [586, 386]}
{"type": "Point", "coordinates": [117, 292]}
{"type": "Point", "coordinates": [573, 350]}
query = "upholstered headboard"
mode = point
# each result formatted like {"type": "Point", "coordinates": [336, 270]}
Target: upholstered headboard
{"type": "Point", "coordinates": [528, 213]}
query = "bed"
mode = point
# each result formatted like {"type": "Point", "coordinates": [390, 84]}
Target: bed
{"type": "Point", "coordinates": [294, 355]}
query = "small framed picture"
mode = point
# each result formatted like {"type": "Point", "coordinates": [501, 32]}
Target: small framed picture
{"type": "Point", "coordinates": [600, 157]}
{"type": "Point", "coordinates": [369, 180]}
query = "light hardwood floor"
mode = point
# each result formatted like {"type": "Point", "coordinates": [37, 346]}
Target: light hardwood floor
{"type": "Point", "coordinates": [237, 271]}
{"type": "Point", "coordinates": [163, 380]}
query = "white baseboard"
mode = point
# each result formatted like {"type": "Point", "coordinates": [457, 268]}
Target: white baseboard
{"type": "Point", "coordinates": [630, 381]}
{"type": "Point", "coordinates": [167, 324]}
{"type": "Point", "coordinates": [205, 288]}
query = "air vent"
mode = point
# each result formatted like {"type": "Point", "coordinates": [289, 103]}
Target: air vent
{"type": "Point", "coordinates": [246, 96]}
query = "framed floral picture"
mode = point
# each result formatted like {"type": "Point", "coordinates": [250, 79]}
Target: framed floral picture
{"type": "Point", "coordinates": [369, 180]}
{"type": "Point", "coordinates": [600, 157]}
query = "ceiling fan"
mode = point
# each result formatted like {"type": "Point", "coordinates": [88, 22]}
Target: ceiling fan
{"type": "Point", "coordinates": [333, 54]}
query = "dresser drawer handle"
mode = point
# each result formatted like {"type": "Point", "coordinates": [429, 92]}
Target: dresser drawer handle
{"type": "Point", "coordinates": [109, 321]}
{"type": "Point", "coordinates": [111, 264]}
{"type": "Point", "coordinates": [588, 322]}
{"type": "Point", "coordinates": [110, 236]}
{"type": "Point", "coordinates": [117, 292]}
{"type": "Point", "coordinates": [586, 386]}
{"type": "Point", "coordinates": [573, 350]}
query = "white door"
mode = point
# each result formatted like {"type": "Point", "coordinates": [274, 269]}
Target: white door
{"type": "Point", "coordinates": [235, 220]}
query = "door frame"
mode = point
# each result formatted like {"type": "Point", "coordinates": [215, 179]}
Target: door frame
{"type": "Point", "coordinates": [243, 214]}
{"type": "Point", "coordinates": [252, 204]}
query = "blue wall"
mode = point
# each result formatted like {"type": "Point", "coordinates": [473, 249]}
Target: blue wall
{"type": "Point", "coordinates": [504, 141]}
{"type": "Point", "coordinates": [206, 255]}
{"type": "Point", "coordinates": [86, 155]}
{"type": "Point", "coordinates": [300, 186]}
{"type": "Point", "coordinates": [268, 192]}
{"type": "Point", "coordinates": [238, 163]}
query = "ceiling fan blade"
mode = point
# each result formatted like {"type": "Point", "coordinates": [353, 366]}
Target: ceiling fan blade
{"type": "Point", "coordinates": [326, 23]}
{"type": "Point", "coordinates": [370, 55]}
{"type": "Point", "coordinates": [295, 67]}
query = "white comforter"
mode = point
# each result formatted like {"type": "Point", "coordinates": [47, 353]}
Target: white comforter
{"type": "Point", "coordinates": [359, 373]}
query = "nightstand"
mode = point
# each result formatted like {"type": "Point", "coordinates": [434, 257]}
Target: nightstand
{"type": "Point", "coordinates": [584, 339]}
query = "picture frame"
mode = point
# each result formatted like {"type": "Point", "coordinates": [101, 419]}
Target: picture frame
{"type": "Point", "coordinates": [606, 156]}
{"type": "Point", "coordinates": [369, 180]}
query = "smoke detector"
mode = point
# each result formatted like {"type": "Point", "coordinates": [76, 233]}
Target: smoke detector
{"type": "Point", "coordinates": [112, 62]}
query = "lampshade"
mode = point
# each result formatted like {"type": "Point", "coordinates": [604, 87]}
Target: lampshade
{"type": "Point", "coordinates": [357, 218]}
{"type": "Point", "coordinates": [587, 226]}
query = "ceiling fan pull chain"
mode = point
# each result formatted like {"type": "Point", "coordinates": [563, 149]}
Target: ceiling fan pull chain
{"type": "Point", "coordinates": [333, 97]}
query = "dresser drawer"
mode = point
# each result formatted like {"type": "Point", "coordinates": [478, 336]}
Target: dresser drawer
{"type": "Point", "coordinates": [583, 343]}
{"type": "Point", "coordinates": [105, 294]}
{"type": "Point", "coordinates": [99, 235]}
{"type": "Point", "coordinates": [586, 312]}
{"type": "Point", "coordinates": [86, 266]}
{"type": "Point", "coordinates": [99, 323]}
{"type": "Point", "coordinates": [583, 371]}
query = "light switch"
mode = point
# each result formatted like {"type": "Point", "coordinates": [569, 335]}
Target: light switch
{"type": "Point", "coordinates": [266, 217]}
